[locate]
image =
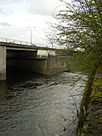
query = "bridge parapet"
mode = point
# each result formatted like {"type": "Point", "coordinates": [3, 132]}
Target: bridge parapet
{"type": "Point", "coordinates": [8, 40]}
{"type": "Point", "coordinates": [17, 44]}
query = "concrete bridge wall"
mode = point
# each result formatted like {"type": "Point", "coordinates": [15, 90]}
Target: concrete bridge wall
{"type": "Point", "coordinates": [2, 62]}
{"type": "Point", "coordinates": [43, 66]}
{"type": "Point", "coordinates": [50, 65]}
{"type": "Point", "coordinates": [56, 65]}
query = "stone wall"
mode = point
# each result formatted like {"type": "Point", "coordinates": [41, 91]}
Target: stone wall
{"type": "Point", "coordinates": [2, 62]}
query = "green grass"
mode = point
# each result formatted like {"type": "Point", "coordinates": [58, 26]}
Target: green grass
{"type": "Point", "coordinates": [97, 83]}
{"type": "Point", "coordinates": [96, 96]}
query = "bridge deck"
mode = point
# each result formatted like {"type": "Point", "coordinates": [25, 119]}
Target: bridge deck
{"type": "Point", "coordinates": [18, 44]}
{"type": "Point", "coordinates": [15, 46]}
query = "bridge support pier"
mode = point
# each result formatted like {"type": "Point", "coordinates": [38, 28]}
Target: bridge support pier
{"type": "Point", "coordinates": [2, 62]}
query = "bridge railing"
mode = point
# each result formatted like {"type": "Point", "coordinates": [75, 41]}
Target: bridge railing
{"type": "Point", "coordinates": [8, 40]}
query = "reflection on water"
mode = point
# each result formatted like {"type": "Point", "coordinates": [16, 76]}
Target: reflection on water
{"type": "Point", "coordinates": [35, 105]}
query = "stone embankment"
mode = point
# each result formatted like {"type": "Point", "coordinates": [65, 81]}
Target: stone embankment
{"type": "Point", "coordinates": [92, 117]}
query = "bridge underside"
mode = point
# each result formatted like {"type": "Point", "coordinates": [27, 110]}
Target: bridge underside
{"type": "Point", "coordinates": [21, 54]}
{"type": "Point", "coordinates": [19, 60]}
{"type": "Point", "coordinates": [26, 60]}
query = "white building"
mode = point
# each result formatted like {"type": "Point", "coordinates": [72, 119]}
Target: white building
{"type": "Point", "coordinates": [46, 52]}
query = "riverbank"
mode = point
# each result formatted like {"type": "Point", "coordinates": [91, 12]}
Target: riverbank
{"type": "Point", "coordinates": [90, 118]}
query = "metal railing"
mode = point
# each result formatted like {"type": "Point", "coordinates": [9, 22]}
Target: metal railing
{"type": "Point", "coordinates": [8, 40]}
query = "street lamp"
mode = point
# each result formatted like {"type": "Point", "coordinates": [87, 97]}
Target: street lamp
{"type": "Point", "coordinates": [31, 33]}
{"type": "Point", "coordinates": [31, 37]}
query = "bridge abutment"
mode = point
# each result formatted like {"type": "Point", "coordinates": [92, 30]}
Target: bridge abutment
{"type": "Point", "coordinates": [47, 66]}
{"type": "Point", "coordinates": [2, 62]}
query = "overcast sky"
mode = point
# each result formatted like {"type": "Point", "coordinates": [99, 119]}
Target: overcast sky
{"type": "Point", "coordinates": [17, 17]}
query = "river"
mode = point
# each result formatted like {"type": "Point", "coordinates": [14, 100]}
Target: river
{"type": "Point", "coordinates": [36, 105]}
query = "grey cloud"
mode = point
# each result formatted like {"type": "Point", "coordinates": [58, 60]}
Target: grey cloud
{"type": "Point", "coordinates": [1, 11]}
{"type": "Point", "coordinates": [37, 7]}
{"type": "Point", "coordinates": [5, 11]}
{"type": "Point", "coordinates": [8, 1]}
{"type": "Point", "coordinates": [5, 24]}
{"type": "Point", "coordinates": [42, 7]}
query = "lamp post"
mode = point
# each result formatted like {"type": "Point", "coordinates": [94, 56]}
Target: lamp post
{"type": "Point", "coordinates": [31, 37]}
{"type": "Point", "coordinates": [31, 34]}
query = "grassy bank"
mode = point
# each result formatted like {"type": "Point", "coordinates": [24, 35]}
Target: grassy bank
{"type": "Point", "coordinates": [90, 118]}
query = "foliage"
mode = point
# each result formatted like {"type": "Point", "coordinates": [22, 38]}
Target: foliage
{"type": "Point", "coordinates": [80, 30]}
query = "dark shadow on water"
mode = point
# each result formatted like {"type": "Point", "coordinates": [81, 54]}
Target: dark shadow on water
{"type": "Point", "coordinates": [17, 76]}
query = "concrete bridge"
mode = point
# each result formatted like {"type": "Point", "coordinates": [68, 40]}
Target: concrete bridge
{"type": "Point", "coordinates": [23, 55]}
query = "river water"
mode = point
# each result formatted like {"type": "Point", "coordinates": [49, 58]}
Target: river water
{"type": "Point", "coordinates": [35, 105]}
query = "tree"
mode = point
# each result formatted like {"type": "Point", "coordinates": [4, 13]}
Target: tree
{"type": "Point", "coordinates": [80, 31]}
